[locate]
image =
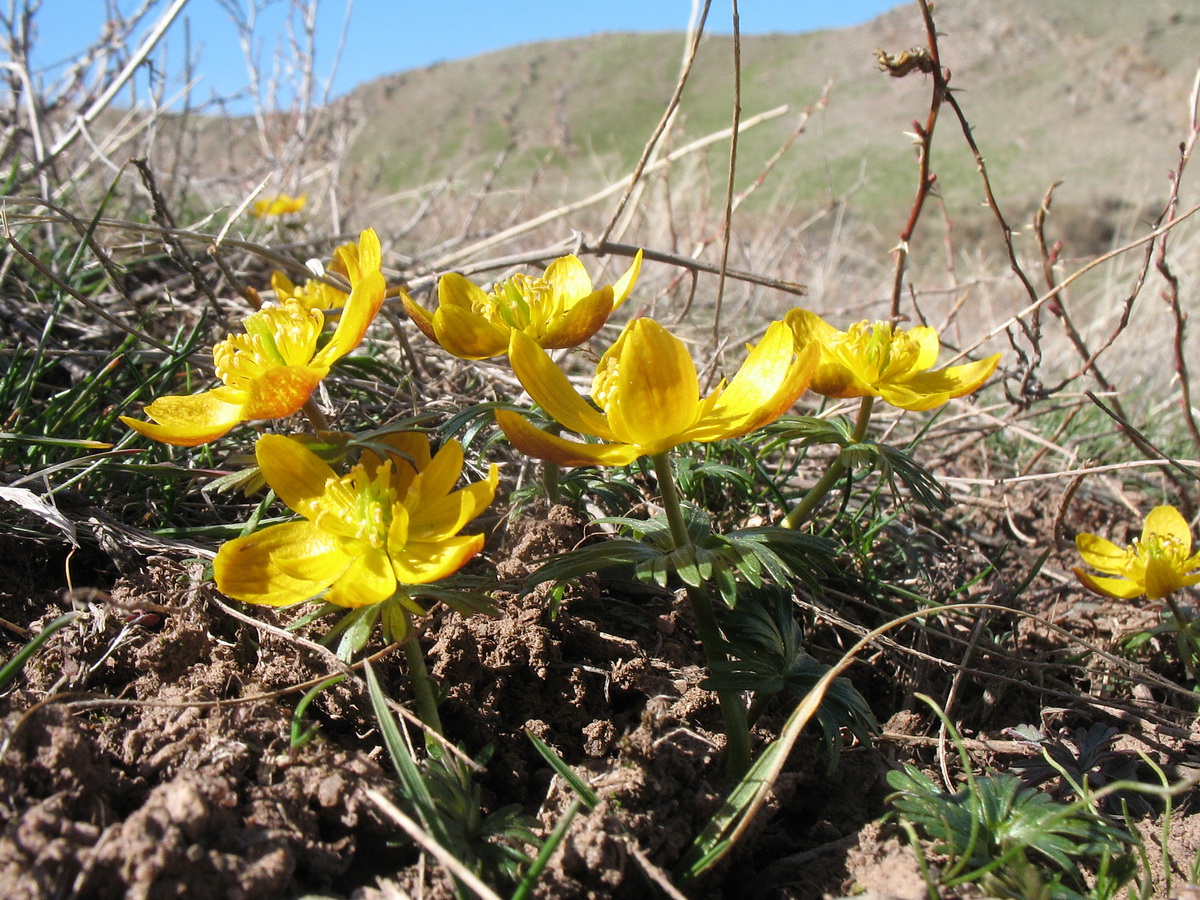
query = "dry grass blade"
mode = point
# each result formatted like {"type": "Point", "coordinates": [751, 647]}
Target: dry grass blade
{"type": "Point", "coordinates": [432, 847]}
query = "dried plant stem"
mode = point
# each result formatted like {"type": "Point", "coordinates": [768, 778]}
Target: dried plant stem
{"type": "Point", "coordinates": [667, 117]}
{"type": "Point", "coordinates": [315, 417]}
{"type": "Point", "coordinates": [733, 714]}
{"type": "Point", "coordinates": [924, 141]}
{"type": "Point", "coordinates": [805, 508]}
{"type": "Point", "coordinates": [727, 227]}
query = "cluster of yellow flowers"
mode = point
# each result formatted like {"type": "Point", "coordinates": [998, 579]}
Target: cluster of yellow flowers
{"type": "Point", "coordinates": [396, 520]}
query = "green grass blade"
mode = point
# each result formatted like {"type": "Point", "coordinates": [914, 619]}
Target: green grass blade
{"type": "Point", "coordinates": [14, 666]}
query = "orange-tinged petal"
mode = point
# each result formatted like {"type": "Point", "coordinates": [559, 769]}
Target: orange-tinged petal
{"type": "Point", "coordinates": [188, 421]}
{"type": "Point", "coordinates": [656, 394]}
{"type": "Point", "coordinates": [580, 322]}
{"type": "Point", "coordinates": [297, 475]}
{"type": "Point", "coordinates": [536, 443]}
{"type": "Point", "coordinates": [369, 580]}
{"type": "Point", "coordinates": [1101, 554]}
{"type": "Point", "coordinates": [1167, 523]}
{"type": "Point", "coordinates": [624, 285]}
{"type": "Point", "coordinates": [551, 390]}
{"type": "Point", "coordinates": [1118, 588]}
{"type": "Point", "coordinates": [249, 568]}
{"type": "Point", "coordinates": [281, 391]}
{"type": "Point", "coordinates": [422, 563]}
{"type": "Point", "coordinates": [467, 335]}
{"type": "Point", "coordinates": [420, 316]}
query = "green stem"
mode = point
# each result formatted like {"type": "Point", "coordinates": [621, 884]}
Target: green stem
{"type": "Point", "coordinates": [737, 732]}
{"type": "Point", "coordinates": [422, 684]}
{"type": "Point", "coordinates": [808, 504]}
{"type": "Point", "coordinates": [550, 471]}
{"type": "Point", "coordinates": [1183, 625]}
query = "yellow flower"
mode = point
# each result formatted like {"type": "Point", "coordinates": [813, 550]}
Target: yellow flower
{"type": "Point", "coordinates": [317, 294]}
{"type": "Point", "coordinates": [270, 370]}
{"type": "Point", "coordinates": [877, 360]}
{"type": "Point", "coordinates": [560, 309]}
{"type": "Point", "coordinates": [279, 205]}
{"type": "Point", "coordinates": [1159, 563]}
{"type": "Point", "coordinates": [384, 524]}
{"type": "Point", "coordinates": [648, 395]}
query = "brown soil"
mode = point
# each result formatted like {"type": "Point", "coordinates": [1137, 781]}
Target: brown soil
{"type": "Point", "coordinates": [145, 749]}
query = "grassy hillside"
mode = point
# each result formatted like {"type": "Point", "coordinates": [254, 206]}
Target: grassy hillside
{"type": "Point", "coordinates": [1093, 93]}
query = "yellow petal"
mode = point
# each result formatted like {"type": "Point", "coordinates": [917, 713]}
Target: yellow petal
{"type": "Point", "coordinates": [283, 286]}
{"type": "Point", "coordinates": [581, 321]}
{"type": "Point", "coordinates": [624, 285]}
{"type": "Point", "coordinates": [421, 563]}
{"type": "Point", "coordinates": [457, 291]}
{"type": "Point", "coordinates": [1101, 554]}
{"type": "Point", "coordinates": [360, 310]}
{"type": "Point", "coordinates": [297, 475]}
{"type": "Point", "coordinates": [248, 568]}
{"type": "Point", "coordinates": [568, 278]}
{"type": "Point", "coordinates": [1119, 588]}
{"type": "Point", "coordinates": [1161, 578]}
{"type": "Point", "coordinates": [950, 382]}
{"type": "Point", "coordinates": [768, 383]}
{"type": "Point", "coordinates": [410, 454]}
{"type": "Point", "coordinates": [809, 328]}
{"type": "Point", "coordinates": [438, 478]}
{"type": "Point", "coordinates": [551, 390]}
{"type": "Point", "coordinates": [362, 260]}
{"type": "Point", "coordinates": [191, 420]}
{"type": "Point", "coordinates": [656, 394]}
{"type": "Point", "coordinates": [369, 580]}
{"type": "Point", "coordinates": [466, 334]}
{"type": "Point", "coordinates": [929, 346]}
{"type": "Point", "coordinates": [1165, 522]}
{"type": "Point", "coordinates": [536, 443]}
{"type": "Point", "coordinates": [444, 517]}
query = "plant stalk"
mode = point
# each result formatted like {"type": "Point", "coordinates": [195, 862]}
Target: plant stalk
{"type": "Point", "coordinates": [1188, 648]}
{"type": "Point", "coordinates": [550, 471]}
{"type": "Point", "coordinates": [737, 732]}
{"type": "Point", "coordinates": [808, 504]}
{"type": "Point", "coordinates": [422, 684]}
{"type": "Point", "coordinates": [315, 417]}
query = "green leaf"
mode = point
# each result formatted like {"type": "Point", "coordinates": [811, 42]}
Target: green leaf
{"type": "Point", "coordinates": [592, 558]}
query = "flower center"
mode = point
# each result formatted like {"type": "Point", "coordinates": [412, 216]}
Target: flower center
{"type": "Point", "coordinates": [604, 382]}
{"type": "Point", "coordinates": [275, 336]}
{"type": "Point", "coordinates": [360, 503]}
{"type": "Point", "coordinates": [1160, 547]}
{"type": "Point", "coordinates": [879, 352]}
{"type": "Point", "coordinates": [521, 302]}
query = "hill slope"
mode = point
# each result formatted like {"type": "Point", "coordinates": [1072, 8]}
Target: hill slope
{"type": "Point", "coordinates": [1093, 92]}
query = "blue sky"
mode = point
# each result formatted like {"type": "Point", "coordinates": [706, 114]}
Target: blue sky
{"type": "Point", "coordinates": [386, 36]}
